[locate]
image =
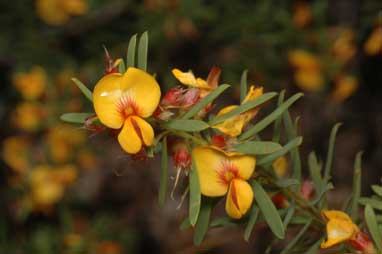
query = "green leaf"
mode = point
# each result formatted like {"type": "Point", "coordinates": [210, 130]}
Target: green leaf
{"type": "Point", "coordinates": [121, 67]}
{"type": "Point", "coordinates": [88, 94]}
{"type": "Point", "coordinates": [295, 155]}
{"type": "Point", "coordinates": [243, 108]}
{"type": "Point", "coordinates": [273, 156]}
{"type": "Point", "coordinates": [185, 224]}
{"type": "Point", "coordinates": [270, 118]}
{"type": "Point", "coordinates": [203, 222]}
{"type": "Point", "coordinates": [329, 157]}
{"type": "Point", "coordinates": [258, 147]}
{"type": "Point", "coordinates": [294, 241]}
{"type": "Point", "coordinates": [142, 51]}
{"type": "Point", "coordinates": [377, 190]}
{"type": "Point", "coordinates": [357, 178]}
{"type": "Point", "coordinates": [195, 195]}
{"type": "Point", "coordinates": [372, 225]}
{"type": "Point", "coordinates": [224, 222]}
{"type": "Point", "coordinates": [376, 204]}
{"type": "Point", "coordinates": [315, 247]}
{"type": "Point", "coordinates": [251, 222]}
{"type": "Point", "coordinates": [269, 210]}
{"type": "Point", "coordinates": [130, 60]}
{"type": "Point", "coordinates": [277, 124]}
{"type": "Point", "coordinates": [315, 171]}
{"type": "Point", "coordinates": [243, 85]}
{"type": "Point", "coordinates": [163, 175]}
{"type": "Point", "coordinates": [75, 117]}
{"type": "Point", "coordinates": [287, 182]}
{"type": "Point", "coordinates": [205, 101]}
{"type": "Point", "coordinates": [289, 215]}
{"type": "Point", "coordinates": [186, 125]}
{"type": "Point", "coordinates": [319, 196]}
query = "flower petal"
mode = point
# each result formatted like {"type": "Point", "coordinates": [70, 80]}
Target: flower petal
{"type": "Point", "coordinates": [143, 90]}
{"type": "Point", "coordinates": [245, 164]}
{"type": "Point", "coordinates": [239, 198]}
{"type": "Point", "coordinates": [231, 126]}
{"type": "Point", "coordinates": [129, 139]}
{"type": "Point", "coordinates": [106, 96]}
{"type": "Point", "coordinates": [339, 228]}
{"type": "Point", "coordinates": [188, 78]}
{"type": "Point", "coordinates": [144, 130]}
{"type": "Point", "coordinates": [253, 93]}
{"type": "Point", "coordinates": [208, 164]}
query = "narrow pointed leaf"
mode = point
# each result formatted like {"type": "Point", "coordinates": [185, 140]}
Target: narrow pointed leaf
{"type": "Point", "coordinates": [75, 117]}
{"type": "Point", "coordinates": [315, 171]}
{"type": "Point", "coordinates": [185, 224]}
{"type": "Point", "coordinates": [357, 176]}
{"type": "Point", "coordinates": [195, 195]}
{"type": "Point", "coordinates": [142, 51]}
{"type": "Point", "coordinates": [122, 67]}
{"type": "Point", "coordinates": [88, 94]}
{"type": "Point", "coordinates": [258, 147]}
{"type": "Point", "coordinates": [251, 222]}
{"type": "Point", "coordinates": [277, 124]}
{"type": "Point", "coordinates": [377, 190]}
{"type": "Point", "coordinates": [289, 215]}
{"type": "Point", "coordinates": [372, 225]}
{"type": "Point", "coordinates": [163, 175]}
{"type": "Point", "coordinates": [203, 222]}
{"type": "Point", "coordinates": [329, 157]}
{"type": "Point", "coordinates": [243, 85]}
{"type": "Point", "coordinates": [269, 210]}
{"type": "Point", "coordinates": [243, 108]}
{"type": "Point", "coordinates": [186, 125]}
{"type": "Point", "coordinates": [130, 60]}
{"type": "Point", "coordinates": [270, 118]}
{"type": "Point", "coordinates": [295, 240]}
{"type": "Point", "coordinates": [273, 156]}
{"type": "Point", "coordinates": [205, 101]}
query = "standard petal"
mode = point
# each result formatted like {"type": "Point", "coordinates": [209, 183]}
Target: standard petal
{"type": "Point", "coordinates": [231, 126]}
{"type": "Point", "coordinates": [209, 163]}
{"type": "Point", "coordinates": [106, 95]}
{"type": "Point", "coordinates": [245, 164]}
{"type": "Point", "coordinates": [253, 93]}
{"type": "Point", "coordinates": [188, 78]}
{"type": "Point", "coordinates": [142, 89]}
{"type": "Point", "coordinates": [239, 198]}
{"type": "Point", "coordinates": [129, 139]}
{"type": "Point", "coordinates": [144, 130]}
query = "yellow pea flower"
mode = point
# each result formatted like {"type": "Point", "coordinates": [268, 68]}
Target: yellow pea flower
{"type": "Point", "coordinates": [226, 174]}
{"type": "Point", "coordinates": [30, 84]}
{"type": "Point", "coordinates": [28, 115]}
{"type": "Point", "coordinates": [309, 80]}
{"type": "Point", "coordinates": [205, 86]}
{"type": "Point", "coordinates": [16, 153]}
{"type": "Point", "coordinates": [280, 166]}
{"type": "Point", "coordinates": [58, 12]}
{"type": "Point", "coordinates": [302, 14]}
{"type": "Point", "coordinates": [302, 59]}
{"type": "Point", "coordinates": [233, 126]}
{"type": "Point", "coordinates": [373, 45]}
{"type": "Point", "coordinates": [343, 47]}
{"type": "Point", "coordinates": [339, 228]}
{"type": "Point", "coordinates": [123, 101]}
{"type": "Point", "coordinates": [345, 87]}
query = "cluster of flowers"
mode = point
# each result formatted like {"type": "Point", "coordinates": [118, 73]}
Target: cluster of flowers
{"type": "Point", "coordinates": [44, 154]}
{"type": "Point", "coordinates": [128, 102]}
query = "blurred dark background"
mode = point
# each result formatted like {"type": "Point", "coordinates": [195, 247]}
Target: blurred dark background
{"type": "Point", "coordinates": [64, 190]}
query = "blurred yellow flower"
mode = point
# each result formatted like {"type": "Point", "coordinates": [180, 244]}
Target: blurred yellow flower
{"type": "Point", "coordinates": [48, 185]}
{"type": "Point", "coordinates": [58, 12]}
{"type": "Point", "coordinates": [61, 140]}
{"type": "Point", "coordinates": [302, 15]}
{"type": "Point", "coordinates": [343, 47]}
{"type": "Point", "coordinates": [308, 75]}
{"type": "Point", "coordinates": [220, 173]}
{"type": "Point", "coordinates": [86, 159]}
{"type": "Point", "coordinates": [373, 45]}
{"type": "Point", "coordinates": [233, 126]}
{"type": "Point", "coordinates": [16, 153]}
{"type": "Point", "coordinates": [345, 87]}
{"type": "Point", "coordinates": [30, 84]}
{"type": "Point", "coordinates": [280, 166]}
{"type": "Point", "coordinates": [123, 101]}
{"type": "Point", "coordinates": [28, 116]}
{"type": "Point", "coordinates": [109, 247]}
{"type": "Point", "coordinates": [339, 228]}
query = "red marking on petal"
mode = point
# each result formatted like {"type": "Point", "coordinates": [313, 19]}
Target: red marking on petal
{"type": "Point", "coordinates": [234, 195]}
{"type": "Point", "coordinates": [227, 172]}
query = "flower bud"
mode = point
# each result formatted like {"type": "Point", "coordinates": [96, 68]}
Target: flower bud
{"type": "Point", "coordinates": [181, 156]}
{"type": "Point", "coordinates": [280, 201]}
{"type": "Point", "coordinates": [362, 242]}
{"type": "Point", "coordinates": [307, 189]}
{"type": "Point", "coordinates": [191, 97]}
{"type": "Point", "coordinates": [173, 97]}
{"type": "Point", "coordinates": [218, 141]}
